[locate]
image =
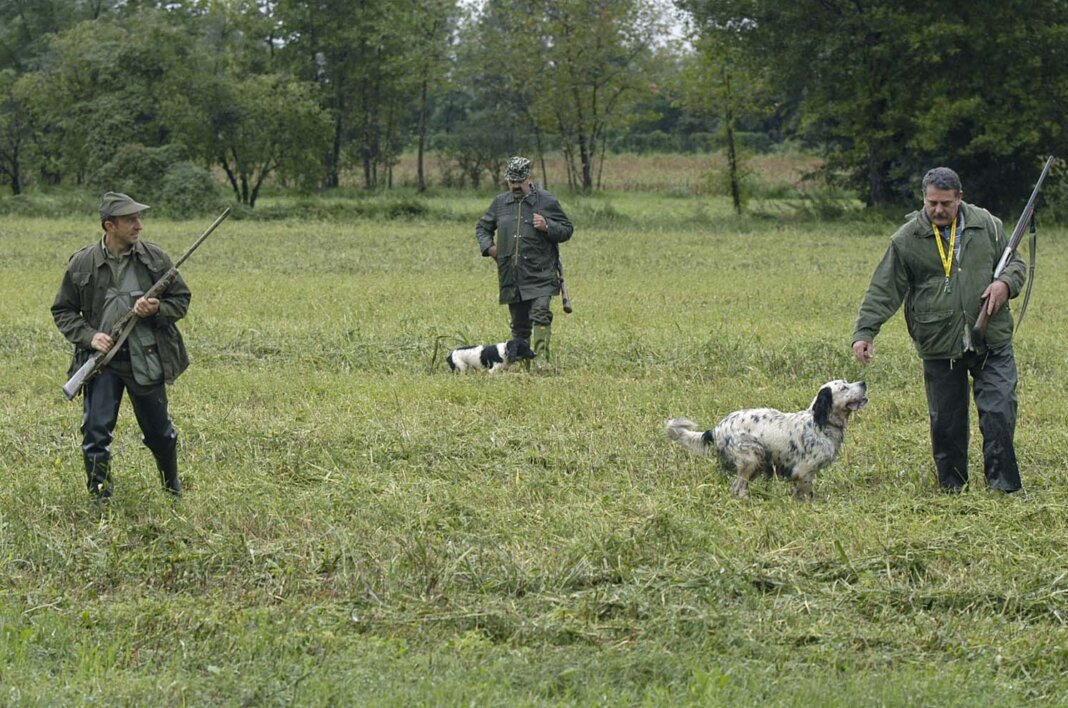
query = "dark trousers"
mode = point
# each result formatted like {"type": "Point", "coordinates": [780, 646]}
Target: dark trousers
{"type": "Point", "coordinates": [994, 388]}
{"type": "Point", "coordinates": [527, 313]}
{"type": "Point", "coordinates": [103, 394]}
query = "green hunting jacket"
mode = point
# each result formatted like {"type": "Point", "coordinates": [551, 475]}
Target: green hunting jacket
{"type": "Point", "coordinates": [940, 322]}
{"type": "Point", "coordinates": [526, 257]}
{"type": "Point", "coordinates": [79, 304]}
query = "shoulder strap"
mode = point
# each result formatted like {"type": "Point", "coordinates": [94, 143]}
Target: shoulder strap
{"type": "Point", "coordinates": [1032, 244]}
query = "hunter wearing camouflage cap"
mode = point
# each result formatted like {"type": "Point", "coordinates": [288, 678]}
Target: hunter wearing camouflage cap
{"type": "Point", "coordinates": [529, 225]}
{"type": "Point", "coordinates": [518, 169]}
{"type": "Point", "coordinates": [103, 282]}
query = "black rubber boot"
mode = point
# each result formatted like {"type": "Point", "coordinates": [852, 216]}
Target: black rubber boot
{"type": "Point", "coordinates": [98, 473]}
{"type": "Point", "coordinates": [167, 463]}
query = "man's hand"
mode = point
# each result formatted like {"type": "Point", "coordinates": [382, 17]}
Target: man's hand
{"type": "Point", "coordinates": [492, 252]}
{"type": "Point", "coordinates": [101, 342]}
{"type": "Point", "coordinates": [863, 351]}
{"type": "Point", "coordinates": [996, 295]}
{"type": "Point", "coordinates": [540, 223]}
{"type": "Point", "coordinates": [146, 308]}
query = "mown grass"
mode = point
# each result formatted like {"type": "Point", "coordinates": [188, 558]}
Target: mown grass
{"type": "Point", "coordinates": [360, 527]}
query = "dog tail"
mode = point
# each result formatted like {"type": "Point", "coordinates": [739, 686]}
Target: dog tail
{"type": "Point", "coordinates": [685, 432]}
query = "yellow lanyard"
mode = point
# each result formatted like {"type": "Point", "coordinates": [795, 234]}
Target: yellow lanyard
{"type": "Point", "coordinates": [947, 258]}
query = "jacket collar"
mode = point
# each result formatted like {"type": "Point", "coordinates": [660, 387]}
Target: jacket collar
{"type": "Point", "coordinates": [923, 222]}
{"type": "Point", "coordinates": [514, 198]}
{"type": "Point", "coordinates": [100, 254]}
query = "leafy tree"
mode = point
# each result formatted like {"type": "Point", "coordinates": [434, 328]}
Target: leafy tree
{"type": "Point", "coordinates": [161, 176]}
{"type": "Point", "coordinates": [888, 88]}
{"type": "Point", "coordinates": [486, 115]}
{"type": "Point", "coordinates": [16, 130]}
{"type": "Point", "coordinates": [358, 52]}
{"type": "Point", "coordinates": [258, 126]}
{"type": "Point", "coordinates": [596, 48]}
{"type": "Point", "coordinates": [435, 24]}
{"type": "Point", "coordinates": [105, 86]}
{"type": "Point", "coordinates": [999, 109]}
{"type": "Point", "coordinates": [27, 27]}
{"type": "Point", "coordinates": [722, 79]}
{"type": "Point", "coordinates": [573, 68]}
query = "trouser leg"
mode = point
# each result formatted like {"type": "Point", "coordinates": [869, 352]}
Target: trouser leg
{"type": "Point", "coordinates": [946, 384]}
{"type": "Point", "coordinates": [102, 395]}
{"type": "Point", "coordinates": [521, 324]}
{"type": "Point", "coordinates": [158, 433]}
{"type": "Point", "coordinates": [994, 386]}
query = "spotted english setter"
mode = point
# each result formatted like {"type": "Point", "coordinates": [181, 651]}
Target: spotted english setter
{"type": "Point", "coordinates": [763, 440]}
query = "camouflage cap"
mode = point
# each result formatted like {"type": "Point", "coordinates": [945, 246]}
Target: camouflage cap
{"type": "Point", "coordinates": [518, 169]}
{"type": "Point", "coordinates": [119, 204]}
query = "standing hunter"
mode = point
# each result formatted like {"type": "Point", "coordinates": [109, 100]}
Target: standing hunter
{"type": "Point", "coordinates": [102, 282]}
{"type": "Point", "coordinates": [940, 264]}
{"type": "Point", "coordinates": [530, 225]}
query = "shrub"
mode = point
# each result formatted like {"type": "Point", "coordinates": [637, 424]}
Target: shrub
{"type": "Point", "coordinates": [160, 176]}
{"type": "Point", "coordinates": [187, 189]}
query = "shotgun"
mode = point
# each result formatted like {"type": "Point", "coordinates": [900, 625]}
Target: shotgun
{"type": "Point", "coordinates": [565, 298]}
{"type": "Point", "coordinates": [1026, 217]}
{"type": "Point", "coordinates": [127, 322]}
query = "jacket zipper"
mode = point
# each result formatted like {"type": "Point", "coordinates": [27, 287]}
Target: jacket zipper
{"type": "Point", "coordinates": [518, 232]}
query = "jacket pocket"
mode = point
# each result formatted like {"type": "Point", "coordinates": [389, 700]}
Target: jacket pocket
{"type": "Point", "coordinates": [934, 331]}
{"type": "Point", "coordinates": [172, 352]}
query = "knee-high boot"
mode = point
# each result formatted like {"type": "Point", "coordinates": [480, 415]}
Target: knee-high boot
{"type": "Point", "coordinates": [98, 474]}
{"type": "Point", "coordinates": [539, 342]}
{"type": "Point", "coordinates": [167, 463]}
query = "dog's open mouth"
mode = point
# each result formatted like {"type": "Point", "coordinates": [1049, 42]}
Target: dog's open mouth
{"type": "Point", "coordinates": [857, 405]}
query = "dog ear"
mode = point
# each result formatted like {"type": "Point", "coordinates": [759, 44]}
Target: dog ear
{"type": "Point", "coordinates": [821, 407]}
{"type": "Point", "coordinates": [510, 350]}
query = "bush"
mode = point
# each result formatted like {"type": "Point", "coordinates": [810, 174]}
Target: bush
{"type": "Point", "coordinates": [187, 190]}
{"type": "Point", "coordinates": [159, 176]}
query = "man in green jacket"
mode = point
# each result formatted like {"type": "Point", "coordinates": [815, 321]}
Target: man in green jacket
{"type": "Point", "coordinates": [103, 282]}
{"type": "Point", "coordinates": [941, 264]}
{"type": "Point", "coordinates": [530, 225]}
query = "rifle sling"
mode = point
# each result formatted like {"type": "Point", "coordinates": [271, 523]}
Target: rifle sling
{"type": "Point", "coordinates": [1030, 275]}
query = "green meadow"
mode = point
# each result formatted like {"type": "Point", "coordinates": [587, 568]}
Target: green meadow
{"type": "Point", "coordinates": [362, 527]}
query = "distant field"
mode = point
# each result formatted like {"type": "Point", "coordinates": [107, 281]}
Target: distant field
{"type": "Point", "coordinates": [682, 173]}
{"type": "Point", "coordinates": [362, 528]}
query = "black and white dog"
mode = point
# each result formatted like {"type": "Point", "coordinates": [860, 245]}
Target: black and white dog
{"type": "Point", "coordinates": [763, 440]}
{"type": "Point", "coordinates": [492, 357]}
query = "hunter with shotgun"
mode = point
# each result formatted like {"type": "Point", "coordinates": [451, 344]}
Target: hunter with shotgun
{"type": "Point", "coordinates": [955, 270]}
{"type": "Point", "coordinates": [522, 231]}
{"type": "Point", "coordinates": [118, 304]}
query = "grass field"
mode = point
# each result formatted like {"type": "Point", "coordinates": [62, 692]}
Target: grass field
{"type": "Point", "coordinates": [360, 528]}
{"type": "Point", "coordinates": [686, 173]}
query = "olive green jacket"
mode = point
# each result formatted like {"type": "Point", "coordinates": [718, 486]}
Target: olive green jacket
{"type": "Point", "coordinates": [526, 257]}
{"type": "Point", "coordinates": [911, 271]}
{"type": "Point", "coordinates": [79, 304]}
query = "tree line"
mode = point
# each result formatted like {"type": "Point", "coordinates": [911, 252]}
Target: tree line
{"type": "Point", "coordinates": [161, 93]}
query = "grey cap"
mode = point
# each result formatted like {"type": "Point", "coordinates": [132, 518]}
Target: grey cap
{"type": "Point", "coordinates": [119, 204]}
{"type": "Point", "coordinates": [518, 169]}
